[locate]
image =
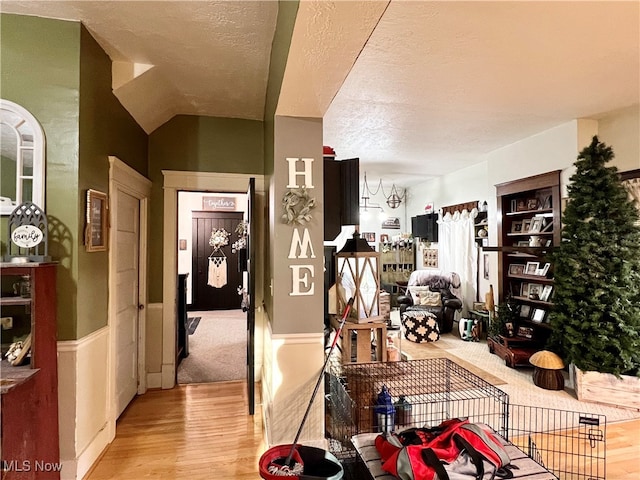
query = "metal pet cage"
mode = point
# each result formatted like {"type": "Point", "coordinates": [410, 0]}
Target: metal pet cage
{"type": "Point", "coordinates": [571, 445]}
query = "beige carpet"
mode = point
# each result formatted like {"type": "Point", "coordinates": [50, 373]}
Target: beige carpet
{"type": "Point", "coordinates": [217, 349]}
{"type": "Point", "coordinates": [516, 382]}
{"type": "Point", "coordinates": [441, 349]}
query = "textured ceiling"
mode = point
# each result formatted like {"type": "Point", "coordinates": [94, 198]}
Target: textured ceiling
{"type": "Point", "coordinates": [412, 88]}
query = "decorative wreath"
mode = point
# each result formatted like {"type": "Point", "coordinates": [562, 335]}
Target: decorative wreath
{"type": "Point", "coordinates": [219, 238]}
{"type": "Point", "coordinates": [242, 230]}
{"type": "Point", "coordinates": [297, 206]}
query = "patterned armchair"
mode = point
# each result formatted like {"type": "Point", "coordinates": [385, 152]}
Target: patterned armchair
{"type": "Point", "coordinates": [436, 292]}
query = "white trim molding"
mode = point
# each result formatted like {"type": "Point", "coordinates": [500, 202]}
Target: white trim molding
{"type": "Point", "coordinates": [186, 181]}
{"type": "Point", "coordinates": [124, 179]}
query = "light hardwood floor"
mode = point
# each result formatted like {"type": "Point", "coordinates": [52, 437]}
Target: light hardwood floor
{"type": "Point", "coordinates": [202, 431]}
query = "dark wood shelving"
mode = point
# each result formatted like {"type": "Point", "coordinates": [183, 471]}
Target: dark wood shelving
{"type": "Point", "coordinates": [538, 198]}
{"type": "Point", "coordinates": [29, 393]}
{"type": "Point", "coordinates": [532, 278]}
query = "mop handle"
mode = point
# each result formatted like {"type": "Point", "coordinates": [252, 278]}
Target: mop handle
{"type": "Point", "coordinates": [315, 390]}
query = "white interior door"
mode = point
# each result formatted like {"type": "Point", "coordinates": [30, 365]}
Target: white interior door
{"type": "Point", "coordinates": [126, 318]}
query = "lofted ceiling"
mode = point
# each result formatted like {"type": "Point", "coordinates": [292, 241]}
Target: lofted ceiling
{"type": "Point", "coordinates": [413, 88]}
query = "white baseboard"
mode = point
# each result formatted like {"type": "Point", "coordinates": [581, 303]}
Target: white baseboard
{"type": "Point", "coordinates": [154, 380]}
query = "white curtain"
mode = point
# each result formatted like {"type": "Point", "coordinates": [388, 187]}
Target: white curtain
{"type": "Point", "coordinates": [457, 252]}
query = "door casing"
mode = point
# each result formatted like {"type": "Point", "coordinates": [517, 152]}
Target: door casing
{"type": "Point", "coordinates": [175, 181]}
{"type": "Point", "coordinates": [123, 178]}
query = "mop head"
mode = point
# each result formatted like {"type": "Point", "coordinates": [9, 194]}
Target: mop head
{"type": "Point", "coordinates": [277, 468]}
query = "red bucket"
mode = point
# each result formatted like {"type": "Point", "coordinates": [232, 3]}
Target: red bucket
{"type": "Point", "coordinates": [279, 451]}
{"type": "Point", "coordinates": [318, 464]}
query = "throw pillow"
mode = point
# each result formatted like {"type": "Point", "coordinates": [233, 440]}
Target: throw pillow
{"type": "Point", "coordinates": [430, 298]}
{"type": "Point", "coordinates": [416, 293]}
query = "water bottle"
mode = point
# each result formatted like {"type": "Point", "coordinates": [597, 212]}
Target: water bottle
{"type": "Point", "coordinates": [385, 411]}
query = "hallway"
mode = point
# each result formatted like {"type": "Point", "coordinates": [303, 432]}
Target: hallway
{"type": "Point", "coordinates": [195, 432]}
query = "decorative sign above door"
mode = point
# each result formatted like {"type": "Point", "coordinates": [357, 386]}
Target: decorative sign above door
{"type": "Point", "coordinates": [218, 203]}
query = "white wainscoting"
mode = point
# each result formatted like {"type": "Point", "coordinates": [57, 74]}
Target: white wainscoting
{"type": "Point", "coordinates": [153, 346]}
{"type": "Point", "coordinates": [292, 363]}
{"type": "Point", "coordinates": [83, 402]}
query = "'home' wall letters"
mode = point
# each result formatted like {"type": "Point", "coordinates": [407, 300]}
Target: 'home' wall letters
{"type": "Point", "coordinates": [302, 275]}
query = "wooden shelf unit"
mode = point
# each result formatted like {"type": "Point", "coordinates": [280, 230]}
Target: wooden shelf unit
{"type": "Point", "coordinates": [521, 203]}
{"type": "Point", "coordinates": [29, 392]}
{"type": "Point", "coordinates": [395, 266]}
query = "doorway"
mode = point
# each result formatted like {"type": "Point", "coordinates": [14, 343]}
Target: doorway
{"type": "Point", "coordinates": [215, 324]}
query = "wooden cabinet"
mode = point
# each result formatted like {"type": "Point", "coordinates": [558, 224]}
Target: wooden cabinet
{"type": "Point", "coordinates": [341, 195]}
{"type": "Point", "coordinates": [396, 264]}
{"type": "Point", "coordinates": [528, 229]}
{"type": "Point", "coordinates": [30, 445]}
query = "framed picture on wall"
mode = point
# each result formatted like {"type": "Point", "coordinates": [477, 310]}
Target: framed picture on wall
{"type": "Point", "coordinates": [369, 236]}
{"type": "Point", "coordinates": [392, 223]}
{"type": "Point", "coordinates": [95, 233]}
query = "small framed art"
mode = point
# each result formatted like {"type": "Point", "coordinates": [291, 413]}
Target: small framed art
{"type": "Point", "coordinates": [516, 269]}
{"type": "Point", "coordinates": [532, 268]}
{"type": "Point", "coordinates": [516, 226]}
{"type": "Point", "coordinates": [545, 296]}
{"type": "Point", "coordinates": [526, 332]}
{"type": "Point", "coordinates": [538, 315]}
{"type": "Point", "coordinates": [95, 234]}
{"type": "Point", "coordinates": [369, 236]}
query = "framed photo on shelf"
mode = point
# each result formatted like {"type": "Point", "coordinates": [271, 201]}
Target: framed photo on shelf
{"type": "Point", "coordinates": [516, 226]}
{"type": "Point", "coordinates": [516, 269]}
{"type": "Point", "coordinates": [95, 234]}
{"type": "Point", "coordinates": [524, 290]}
{"type": "Point", "coordinates": [532, 204]}
{"type": "Point", "coordinates": [536, 225]}
{"type": "Point", "coordinates": [526, 225]}
{"type": "Point", "coordinates": [514, 205]}
{"type": "Point", "coordinates": [546, 203]}
{"type": "Point", "coordinates": [384, 238]}
{"type": "Point", "coordinates": [538, 315]}
{"type": "Point", "coordinates": [532, 268]}
{"type": "Point", "coordinates": [545, 296]}
{"type": "Point", "coordinates": [526, 332]}
{"type": "Point", "coordinates": [535, 290]}
{"type": "Point", "coordinates": [521, 205]}
{"type": "Point", "coordinates": [542, 271]}
{"type": "Point", "coordinates": [522, 243]}
{"type": "Point", "coordinates": [547, 226]}
{"type": "Point", "coordinates": [525, 311]}
{"type": "Point", "coordinates": [508, 328]}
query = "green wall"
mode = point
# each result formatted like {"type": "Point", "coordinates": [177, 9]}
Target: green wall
{"type": "Point", "coordinates": [287, 12]}
{"type": "Point", "coordinates": [106, 128]}
{"type": "Point", "coordinates": [55, 70]}
{"type": "Point", "coordinates": [198, 144]}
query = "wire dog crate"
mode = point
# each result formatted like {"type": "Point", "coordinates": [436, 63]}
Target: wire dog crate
{"type": "Point", "coordinates": [569, 444]}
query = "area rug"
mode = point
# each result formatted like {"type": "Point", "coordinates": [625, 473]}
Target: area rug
{"type": "Point", "coordinates": [415, 351]}
{"type": "Point", "coordinates": [217, 349]}
{"type": "Point", "coordinates": [192, 324]}
{"type": "Point", "coordinates": [516, 382]}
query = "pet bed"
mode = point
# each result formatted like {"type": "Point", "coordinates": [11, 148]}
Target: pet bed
{"type": "Point", "coordinates": [527, 468]}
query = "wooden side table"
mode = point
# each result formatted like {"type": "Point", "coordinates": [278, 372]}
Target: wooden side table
{"type": "Point", "coordinates": [364, 333]}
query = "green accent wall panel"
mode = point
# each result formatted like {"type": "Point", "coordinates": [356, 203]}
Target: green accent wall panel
{"type": "Point", "coordinates": [201, 144]}
{"type": "Point", "coordinates": [40, 71]}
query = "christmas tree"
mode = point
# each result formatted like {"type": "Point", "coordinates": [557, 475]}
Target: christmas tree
{"type": "Point", "coordinates": [596, 315]}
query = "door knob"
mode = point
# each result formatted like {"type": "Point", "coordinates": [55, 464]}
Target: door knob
{"type": "Point", "coordinates": [140, 307]}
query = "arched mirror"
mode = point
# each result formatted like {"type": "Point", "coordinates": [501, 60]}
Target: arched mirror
{"type": "Point", "coordinates": [22, 155]}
